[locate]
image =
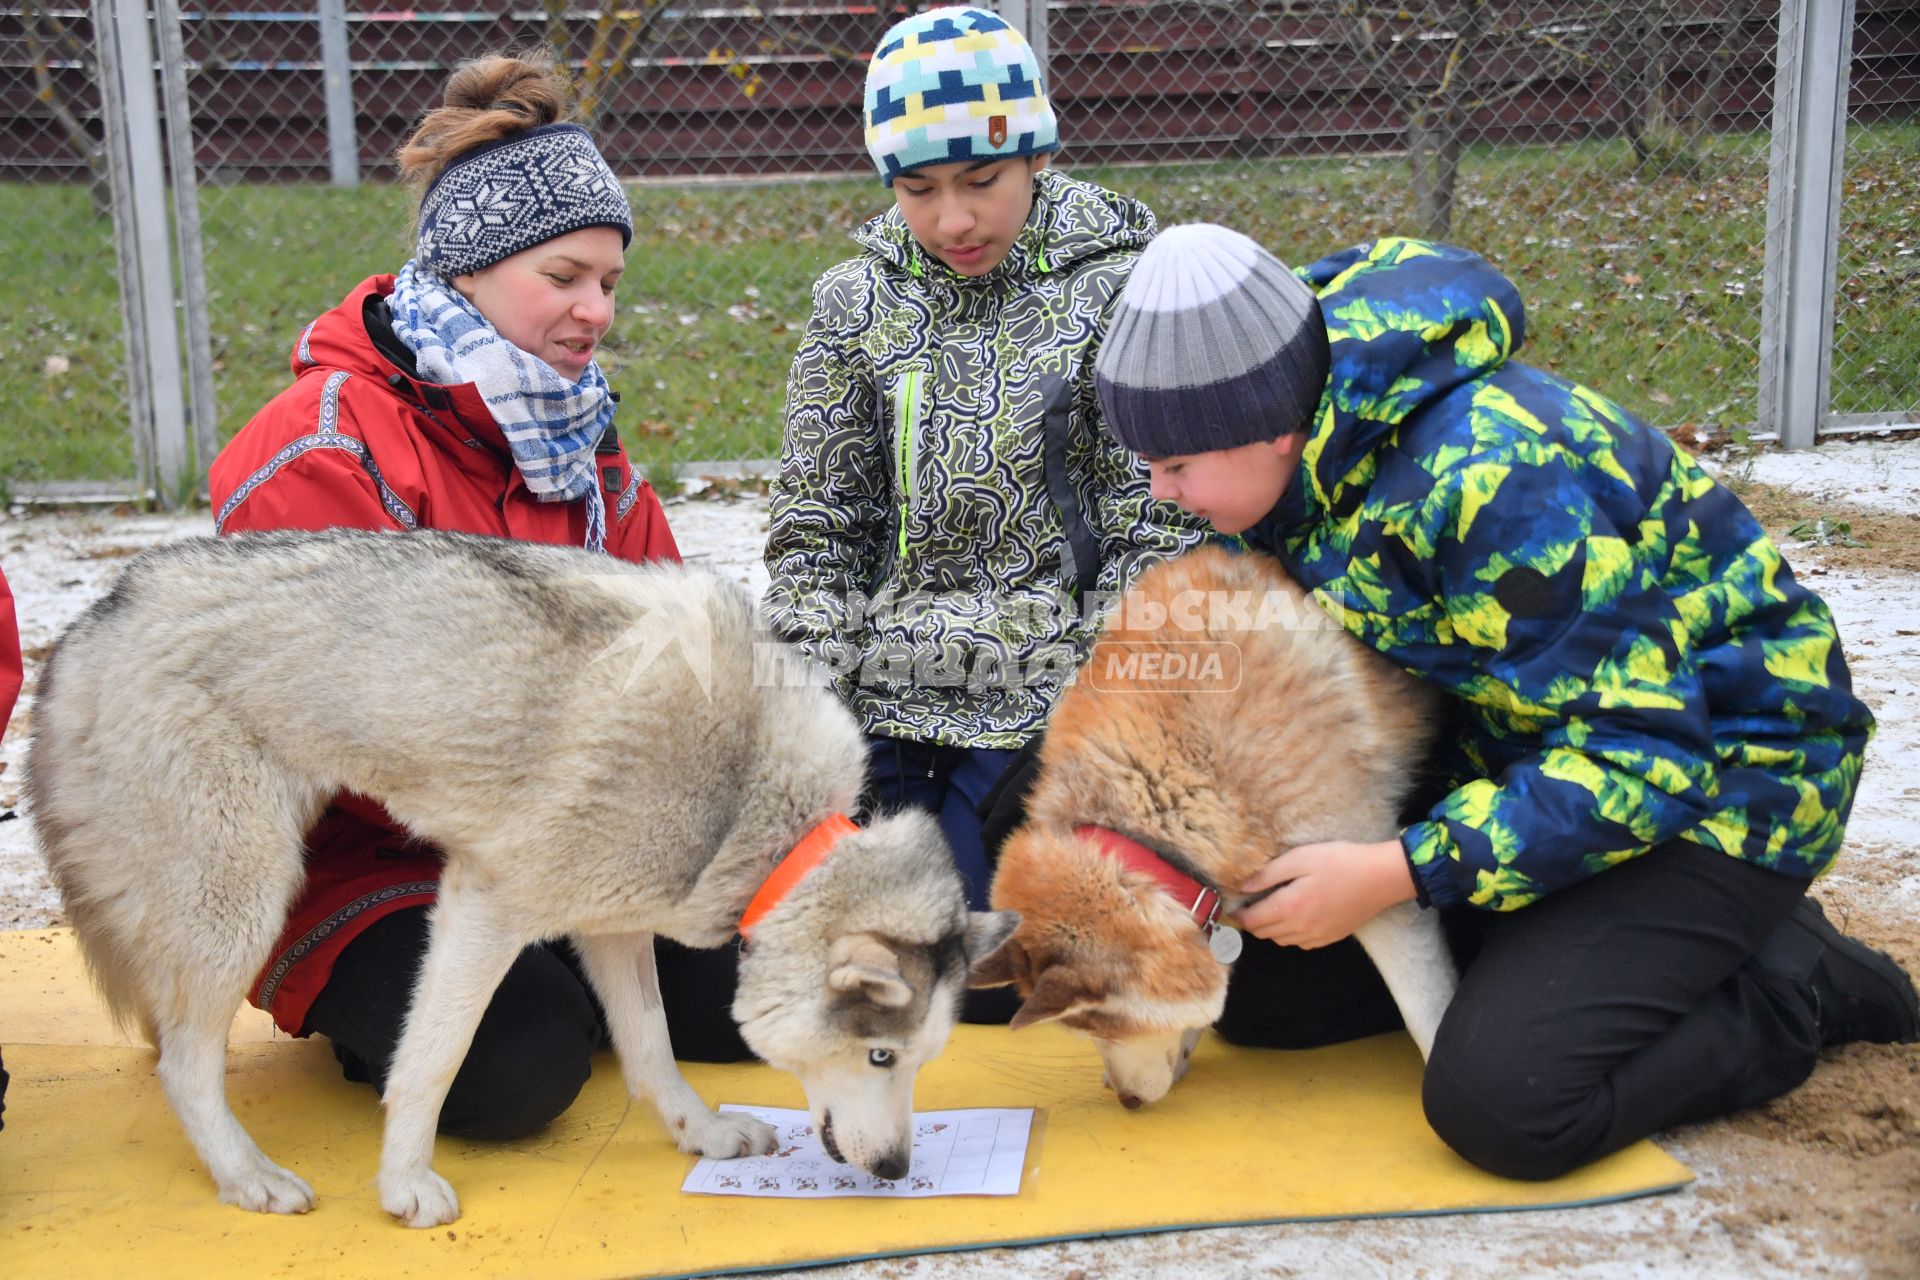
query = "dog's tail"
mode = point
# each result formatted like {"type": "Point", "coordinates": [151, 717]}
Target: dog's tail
{"type": "Point", "coordinates": [112, 969]}
{"type": "Point", "coordinates": [111, 966]}
{"type": "Point", "coordinates": [176, 845]}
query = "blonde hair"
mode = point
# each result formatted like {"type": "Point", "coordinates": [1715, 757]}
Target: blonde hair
{"type": "Point", "coordinates": [486, 99]}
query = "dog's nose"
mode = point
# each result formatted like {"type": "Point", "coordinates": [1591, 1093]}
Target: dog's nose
{"type": "Point", "coordinates": [1130, 1101]}
{"type": "Point", "coordinates": [891, 1166]}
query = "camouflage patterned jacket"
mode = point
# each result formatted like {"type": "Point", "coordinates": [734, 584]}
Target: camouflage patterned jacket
{"type": "Point", "coordinates": [1636, 660]}
{"type": "Point", "coordinates": [949, 501]}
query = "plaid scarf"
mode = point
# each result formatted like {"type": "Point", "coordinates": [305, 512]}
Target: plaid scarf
{"type": "Point", "coordinates": [551, 425]}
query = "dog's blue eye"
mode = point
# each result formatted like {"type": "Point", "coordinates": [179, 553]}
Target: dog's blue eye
{"type": "Point", "coordinates": [880, 1057]}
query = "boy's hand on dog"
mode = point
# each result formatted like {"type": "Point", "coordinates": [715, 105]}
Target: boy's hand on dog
{"type": "Point", "coordinates": [1321, 893]}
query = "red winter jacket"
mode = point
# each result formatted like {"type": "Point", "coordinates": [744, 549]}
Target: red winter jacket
{"type": "Point", "coordinates": [359, 442]}
{"type": "Point", "coordinates": [9, 654]}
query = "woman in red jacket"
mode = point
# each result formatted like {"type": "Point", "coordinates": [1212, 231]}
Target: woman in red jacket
{"type": "Point", "coordinates": [462, 394]}
{"type": "Point", "coordinates": [9, 690]}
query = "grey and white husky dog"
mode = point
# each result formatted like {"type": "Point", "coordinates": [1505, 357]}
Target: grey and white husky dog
{"type": "Point", "coordinates": [604, 752]}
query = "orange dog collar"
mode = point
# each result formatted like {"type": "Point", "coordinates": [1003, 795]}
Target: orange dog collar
{"type": "Point", "coordinates": [805, 856]}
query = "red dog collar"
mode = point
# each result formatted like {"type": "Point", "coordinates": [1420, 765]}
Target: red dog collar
{"type": "Point", "coordinates": [1202, 903]}
{"type": "Point", "coordinates": [808, 854]}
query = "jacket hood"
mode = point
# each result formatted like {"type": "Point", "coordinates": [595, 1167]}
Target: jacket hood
{"type": "Point", "coordinates": [1408, 321]}
{"type": "Point", "coordinates": [344, 338]}
{"type": "Point", "coordinates": [338, 339]}
{"type": "Point", "coordinates": [1070, 220]}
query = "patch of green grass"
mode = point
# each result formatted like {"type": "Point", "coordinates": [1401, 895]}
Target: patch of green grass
{"type": "Point", "coordinates": [1648, 287]}
{"type": "Point", "coordinates": [1876, 325]}
{"type": "Point", "coordinates": [60, 347]}
{"type": "Point", "coordinates": [276, 258]}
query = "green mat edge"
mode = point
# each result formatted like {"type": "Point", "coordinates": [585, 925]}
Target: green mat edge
{"type": "Point", "coordinates": [1028, 1241]}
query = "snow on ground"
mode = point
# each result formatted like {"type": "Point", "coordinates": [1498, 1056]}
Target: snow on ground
{"type": "Point", "coordinates": [58, 561]}
{"type": "Point", "coordinates": [1882, 474]}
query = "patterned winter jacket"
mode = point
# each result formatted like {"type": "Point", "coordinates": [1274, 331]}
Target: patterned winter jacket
{"type": "Point", "coordinates": [950, 508]}
{"type": "Point", "coordinates": [1636, 661]}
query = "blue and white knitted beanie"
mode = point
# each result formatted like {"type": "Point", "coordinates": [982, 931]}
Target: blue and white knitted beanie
{"type": "Point", "coordinates": [1213, 344]}
{"type": "Point", "coordinates": [517, 192]}
{"type": "Point", "coordinates": [954, 84]}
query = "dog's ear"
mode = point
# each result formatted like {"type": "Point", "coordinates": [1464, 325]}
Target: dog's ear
{"type": "Point", "coordinates": [1001, 966]}
{"type": "Point", "coordinates": [861, 962]}
{"type": "Point", "coordinates": [987, 933]}
{"type": "Point", "coordinates": [1058, 993]}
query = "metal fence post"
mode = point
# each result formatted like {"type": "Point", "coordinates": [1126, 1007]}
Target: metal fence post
{"type": "Point", "coordinates": [343, 143]}
{"type": "Point", "coordinates": [147, 260]}
{"type": "Point", "coordinates": [133, 337]}
{"type": "Point", "coordinates": [186, 230]}
{"type": "Point", "coordinates": [1803, 218]}
{"type": "Point", "coordinates": [1029, 18]}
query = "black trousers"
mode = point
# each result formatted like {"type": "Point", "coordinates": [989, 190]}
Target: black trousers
{"type": "Point", "coordinates": [951, 783]}
{"type": "Point", "coordinates": [1597, 1016]}
{"type": "Point", "coordinates": [534, 1047]}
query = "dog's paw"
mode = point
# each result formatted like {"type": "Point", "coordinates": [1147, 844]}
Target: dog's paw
{"type": "Point", "coordinates": [267, 1188]}
{"type": "Point", "coordinates": [727, 1135]}
{"type": "Point", "coordinates": [420, 1199]}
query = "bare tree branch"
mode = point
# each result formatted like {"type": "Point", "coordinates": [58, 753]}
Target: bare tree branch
{"type": "Point", "coordinates": [34, 14]}
{"type": "Point", "coordinates": [619, 35]}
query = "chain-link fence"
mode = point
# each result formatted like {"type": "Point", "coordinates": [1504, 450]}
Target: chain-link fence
{"type": "Point", "coordinates": [1611, 157]}
{"type": "Point", "coordinates": [1876, 323]}
{"type": "Point", "coordinates": [1614, 157]}
{"type": "Point", "coordinates": [62, 362]}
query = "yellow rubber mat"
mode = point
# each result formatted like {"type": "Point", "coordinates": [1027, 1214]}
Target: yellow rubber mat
{"type": "Point", "coordinates": [97, 1179]}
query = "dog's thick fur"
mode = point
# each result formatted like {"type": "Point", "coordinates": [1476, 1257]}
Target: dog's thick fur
{"type": "Point", "coordinates": [1319, 739]}
{"type": "Point", "coordinates": [604, 752]}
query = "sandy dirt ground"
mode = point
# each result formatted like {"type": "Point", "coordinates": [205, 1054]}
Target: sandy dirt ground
{"type": "Point", "coordinates": [1823, 1182]}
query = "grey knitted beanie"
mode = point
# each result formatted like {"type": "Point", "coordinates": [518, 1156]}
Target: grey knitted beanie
{"type": "Point", "coordinates": [1214, 344]}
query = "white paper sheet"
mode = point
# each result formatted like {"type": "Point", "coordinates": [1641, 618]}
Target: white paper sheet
{"type": "Point", "coordinates": [975, 1152]}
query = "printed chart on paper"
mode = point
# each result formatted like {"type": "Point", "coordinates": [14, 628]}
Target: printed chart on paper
{"type": "Point", "coordinates": [975, 1152]}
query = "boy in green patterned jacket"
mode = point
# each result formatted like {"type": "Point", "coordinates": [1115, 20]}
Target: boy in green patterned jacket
{"type": "Point", "coordinates": [1657, 743]}
{"type": "Point", "coordinates": [949, 505]}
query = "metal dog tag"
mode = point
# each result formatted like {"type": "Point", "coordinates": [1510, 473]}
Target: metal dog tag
{"type": "Point", "coordinates": [1225, 943]}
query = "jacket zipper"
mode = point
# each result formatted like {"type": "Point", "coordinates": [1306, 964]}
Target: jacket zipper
{"type": "Point", "coordinates": [907, 446]}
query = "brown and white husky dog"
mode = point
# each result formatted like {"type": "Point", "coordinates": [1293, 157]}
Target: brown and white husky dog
{"type": "Point", "coordinates": [1222, 718]}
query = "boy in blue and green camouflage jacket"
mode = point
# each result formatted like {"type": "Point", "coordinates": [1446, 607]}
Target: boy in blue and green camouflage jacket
{"type": "Point", "coordinates": [1657, 742]}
